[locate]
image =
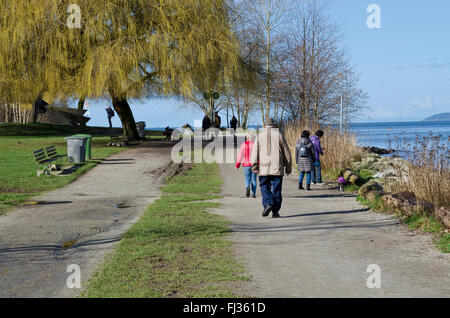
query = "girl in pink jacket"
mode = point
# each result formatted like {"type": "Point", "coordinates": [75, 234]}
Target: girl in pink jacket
{"type": "Point", "coordinates": [244, 159]}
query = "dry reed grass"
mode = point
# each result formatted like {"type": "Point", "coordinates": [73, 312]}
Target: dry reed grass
{"type": "Point", "coordinates": [427, 171]}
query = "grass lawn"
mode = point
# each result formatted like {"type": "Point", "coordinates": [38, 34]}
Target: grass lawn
{"type": "Point", "coordinates": [177, 248]}
{"type": "Point", "coordinates": [18, 180]}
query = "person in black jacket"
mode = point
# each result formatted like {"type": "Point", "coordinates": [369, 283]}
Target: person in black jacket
{"type": "Point", "coordinates": [110, 114]}
{"type": "Point", "coordinates": [304, 155]}
{"type": "Point", "coordinates": [233, 122]}
{"type": "Point", "coordinates": [206, 124]}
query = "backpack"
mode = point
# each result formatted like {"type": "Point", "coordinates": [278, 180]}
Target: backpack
{"type": "Point", "coordinates": [111, 112]}
{"type": "Point", "coordinates": [303, 151]}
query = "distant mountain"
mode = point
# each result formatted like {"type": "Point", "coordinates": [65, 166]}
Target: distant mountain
{"type": "Point", "coordinates": [439, 117]}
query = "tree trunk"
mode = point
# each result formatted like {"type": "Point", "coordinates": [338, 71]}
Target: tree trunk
{"type": "Point", "coordinates": [125, 114]}
{"type": "Point", "coordinates": [81, 103]}
{"type": "Point", "coordinates": [6, 113]}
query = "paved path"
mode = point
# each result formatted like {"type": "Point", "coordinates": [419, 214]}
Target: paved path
{"type": "Point", "coordinates": [323, 244]}
{"type": "Point", "coordinates": [89, 213]}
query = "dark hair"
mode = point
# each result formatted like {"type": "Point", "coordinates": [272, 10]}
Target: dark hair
{"type": "Point", "coordinates": [319, 133]}
{"type": "Point", "coordinates": [306, 134]}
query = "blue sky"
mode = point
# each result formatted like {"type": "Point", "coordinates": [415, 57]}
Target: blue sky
{"type": "Point", "coordinates": [404, 66]}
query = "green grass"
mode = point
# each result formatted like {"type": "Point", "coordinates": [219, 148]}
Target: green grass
{"type": "Point", "coordinates": [428, 224]}
{"type": "Point", "coordinates": [177, 248]}
{"type": "Point", "coordinates": [425, 223]}
{"type": "Point", "coordinates": [443, 243]}
{"type": "Point", "coordinates": [364, 177]}
{"type": "Point", "coordinates": [375, 205]}
{"type": "Point", "coordinates": [18, 180]}
{"type": "Point", "coordinates": [351, 188]}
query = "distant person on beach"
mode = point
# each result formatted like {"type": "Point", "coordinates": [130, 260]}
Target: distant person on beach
{"type": "Point", "coordinates": [217, 120]}
{"type": "Point", "coordinates": [233, 125]}
{"type": "Point", "coordinates": [217, 123]}
{"type": "Point", "coordinates": [270, 159]}
{"type": "Point", "coordinates": [244, 159]}
{"type": "Point", "coordinates": [316, 172]}
{"type": "Point", "coordinates": [168, 133]}
{"type": "Point", "coordinates": [304, 156]}
{"type": "Point", "coordinates": [110, 114]}
{"type": "Point", "coordinates": [206, 123]}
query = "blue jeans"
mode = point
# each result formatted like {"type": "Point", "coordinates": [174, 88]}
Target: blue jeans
{"type": "Point", "coordinates": [316, 172]}
{"type": "Point", "coordinates": [271, 191]}
{"type": "Point", "coordinates": [302, 175]}
{"type": "Point", "coordinates": [250, 179]}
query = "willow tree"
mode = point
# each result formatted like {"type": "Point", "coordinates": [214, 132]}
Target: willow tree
{"type": "Point", "coordinates": [121, 49]}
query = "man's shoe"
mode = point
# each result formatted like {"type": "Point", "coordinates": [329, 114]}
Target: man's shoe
{"type": "Point", "coordinates": [308, 187]}
{"type": "Point", "coordinates": [275, 215]}
{"type": "Point", "coordinates": [267, 210]}
{"type": "Point", "coordinates": [247, 193]}
{"type": "Point", "coordinates": [300, 187]}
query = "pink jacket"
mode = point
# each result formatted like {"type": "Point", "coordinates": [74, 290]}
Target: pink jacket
{"type": "Point", "coordinates": [245, 153]}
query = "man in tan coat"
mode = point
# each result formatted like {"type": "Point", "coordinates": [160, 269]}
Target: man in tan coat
{"type": "Point", "coordinates": [270, 159]}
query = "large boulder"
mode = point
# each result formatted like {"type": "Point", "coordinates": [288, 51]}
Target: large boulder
{"type": "Point", "coordinates": [370, 190]}
{"type": "Point", "coordinates": [389, 172]}
{"type": "Point", "coordinates": [369, 161]}
{"type": "Point", "coordinates": [350, 176]}
{"type": "Point", "coordinates": [442, 215]}
{"type": "Point", "coordinates": [406, 203]}
{"type": "Point", "coordinates": [357, 165]}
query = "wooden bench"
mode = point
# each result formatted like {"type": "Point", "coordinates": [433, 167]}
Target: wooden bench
{"type": "Point", "coordinates": [52, 155]}
{"type": "Point", "coordinates": [46, 156]}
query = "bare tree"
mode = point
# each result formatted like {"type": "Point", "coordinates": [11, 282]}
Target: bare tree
{"type": "Point", "coordinates": [316, 72]}
{"type": "Point", "coordinates": [267, 17]}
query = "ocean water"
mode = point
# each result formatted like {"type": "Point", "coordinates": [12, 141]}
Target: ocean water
{"type": "Point", "coordinates": [385, 135]}
{"type": "Point", "coordinates": [388, 134]}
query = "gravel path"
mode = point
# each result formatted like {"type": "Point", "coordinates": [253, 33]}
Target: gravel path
{"type": "Point", "coordinates": [323, 244]}
{"type": "Point", "coordinates": [88, 216]}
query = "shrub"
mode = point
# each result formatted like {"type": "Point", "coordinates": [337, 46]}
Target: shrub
{"type": "Point", "coordinates": [426, 170]}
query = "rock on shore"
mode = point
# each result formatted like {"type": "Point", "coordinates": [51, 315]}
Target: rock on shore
{"type": "Point", "coordinates": [386, 171]}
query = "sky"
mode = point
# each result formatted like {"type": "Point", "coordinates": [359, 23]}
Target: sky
{"type": "Point", "coordinates": [404, 65]}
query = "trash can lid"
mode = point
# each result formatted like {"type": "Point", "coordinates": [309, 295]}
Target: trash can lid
{"type": "Point", "coordinates": [82, 135]}
{"type": "Point", "coordinates": [76, 138]}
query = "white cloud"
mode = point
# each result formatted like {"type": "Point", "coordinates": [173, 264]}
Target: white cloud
{"type": "Point", "coordinates": [417, 104]}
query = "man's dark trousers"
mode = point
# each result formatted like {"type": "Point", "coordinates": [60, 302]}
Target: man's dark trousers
{"type": "Point", "coordinates": [271, 191]}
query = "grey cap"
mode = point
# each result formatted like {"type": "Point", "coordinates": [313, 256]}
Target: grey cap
{"type": "Point", "coordinates": [270, 123]}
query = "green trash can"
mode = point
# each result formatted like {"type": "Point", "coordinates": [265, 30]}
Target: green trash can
{"type": "Point", "coordinates": [88, 138]}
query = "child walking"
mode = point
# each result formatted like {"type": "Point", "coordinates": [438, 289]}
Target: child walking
{"type": "Point", "coordinates": [304, 155]}
{"type": "Point", "coordinates": [244, 158]}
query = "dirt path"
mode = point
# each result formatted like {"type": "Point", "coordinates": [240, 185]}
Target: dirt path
{"type": "Point", "coordinates": [87, 216]}
{"type": "Point", "coordinates": [323, 244]}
